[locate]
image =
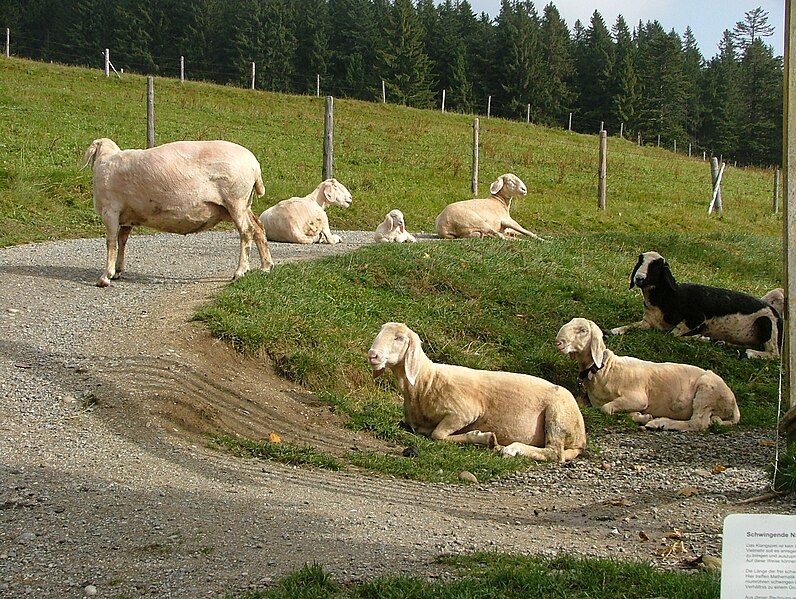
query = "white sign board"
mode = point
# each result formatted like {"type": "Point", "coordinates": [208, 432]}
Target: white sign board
{"type": "Point", "coordinates": [758, 557]}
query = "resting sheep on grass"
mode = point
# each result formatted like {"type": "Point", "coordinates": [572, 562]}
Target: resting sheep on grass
{"type": "Point", "coordinates": [304, 220]}
{"type": "Point", "coordinates": [691, 309]}
{"type": "Point", "coordinates": [393, 229]}
{"type": "Point", "coordinates": [658, 395]}
{"type": "Point", "coordinates": [180, 187]}
{"type": "Point", "coordinates": [516, 413]}
{"type": "Point", "coordinates": [488, 217]}
{"type": "Point", "coordinates": [776, 298]}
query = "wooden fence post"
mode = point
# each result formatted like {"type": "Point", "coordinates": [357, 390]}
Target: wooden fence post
{"type": "Point", "coordinates": [489, 107]}
{"type": "Point", "coordinates": [8, 42]}
{"type": "Point", "coordinates": [182, 69]}
{"type": "Point", "coordinates": [776, 190]}
{"type": "Point", "coordinates": [328, 139]}
{"type": "Point", "coordinates": [789, 205]}
{"type": "Point", "coordinates": [528, 117]}
{"type": "Point", "coordinates": [475, 156]}
{"type": "Point", "coordinates": [675, 146]}
{"type": "Point", "coordinates": [569, 128]}
{"type": "Point", "coordinates": [107, 62]}
{"type": "Point", "coordinates": [150, 111]}
{"type": "Point", "coordinates": [622, 130]}
{"type": "Point", "coordinates": [383, 92]}
{"type": "Point", "coordinates": [602, 172]}
{"type": "Point", "coordinates": [317, 85]}
{"type": "Point", "coordinates": [715, 176]}
{"type": "Point", "coordinates": [252, 75]}
{"type": "Point", "coordinates": [443, 100]}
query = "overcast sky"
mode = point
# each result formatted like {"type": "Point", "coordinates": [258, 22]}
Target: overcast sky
{"type": "Point", "coordinates": [707, 18]}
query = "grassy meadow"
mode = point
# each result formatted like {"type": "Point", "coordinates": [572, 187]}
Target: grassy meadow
{"type": "Point", "coordinates": [489, 304]}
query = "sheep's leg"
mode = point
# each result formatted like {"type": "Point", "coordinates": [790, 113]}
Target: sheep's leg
{"type": "Point", "coordinates": [550, 453]}
{"type": "Point", "coordinates": [641, 324]}
{"type": "Point", "coordinates": [326, 235]}
{"type": "Point", "coordinates": [452, 423]}
{"type": "Point", "coordinates": [261, 241]}
{"type": "Point", "coordinates": [512, 224]}
{"type": "Point", "coordinates": [111, 241]}
{"type": "Point", "coordinates": [246, 228]}
{"type": "Point", "coordinates": [124, 234]}
{"type": "Point", "coordinates": [625, 403]}
{"type": "Point", "coordinates": [640, 418]}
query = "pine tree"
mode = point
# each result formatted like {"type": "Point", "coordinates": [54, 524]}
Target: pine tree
{"type": "Point", "coordinates": [754, 26]}
{"type": "Point", "coordinates": [451, 65]}
{"type": "Point", "coordinates": [595, 75]}
{"type": "Point", "coordinates": [407, 68]}
{"type": "Point", "coordinates": [625, 85]}
{"type": "Point", "coordinates": [276, 53]}
{"type": "Point", "coordinates": [555, 95]}
{"type": "Point", "coordinates": [312, 44]}
{"type": "Point", "coordinates": [693, 69]}
{"type": "Point", "coordinates": [353, 64]}
{"type": "Point", "coordinates": [721, 100]}
{"type": "Point", "coordinates": [131, 37]}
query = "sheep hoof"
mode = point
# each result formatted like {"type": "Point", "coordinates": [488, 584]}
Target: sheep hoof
{"type": "Point", "coordinates": [103, 282]}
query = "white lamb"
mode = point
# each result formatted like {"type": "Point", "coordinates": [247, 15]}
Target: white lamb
{"type": "Point", "coordinates": [304, 220]}
{"type": "Point", "coordinates": [179, 187]}
{"type": "Point", "coordinates": [516, 413]}
{"type": "Point", "coordinates": [393, 229]}
{"type": "Point", "coordinates": [487, 217]}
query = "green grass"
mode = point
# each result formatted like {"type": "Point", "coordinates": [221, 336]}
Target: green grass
{"type": "Point", "coordinates": [484, 576]}
{"type": "Point", "coordinates": [388, 156]}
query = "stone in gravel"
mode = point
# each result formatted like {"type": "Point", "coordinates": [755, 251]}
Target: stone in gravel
{"type": "Point", "coordinates": [468, 476]}
{"type": "Point", "coordinates": [90, 590]}
{"type": "Point", "coordinates": [25, 537]}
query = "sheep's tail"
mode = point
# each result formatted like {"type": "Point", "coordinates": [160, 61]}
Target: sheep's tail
{"type": "Point", "coordinates": [259, 186]}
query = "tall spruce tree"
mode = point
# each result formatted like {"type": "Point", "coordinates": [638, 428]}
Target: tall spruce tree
{"type": "Point", "coordinates": [721, 99]}
{"type": "Point", "coordinates": [625, 85]}
{"type": "Point", "coordinates": [555, 96]}
{"type": "Point", "coordinates": [353, 65]}
{"type": "Point", "coordinates": [312, 44]}
{"type": "Point", "coordinates": [277, 46]}
{"type": "Point", "coordinates": [451, 65]}
{"type": "Point", "coordinates": [132, 24]}
{"type": "Point", "coordinates": [595, 74]}
{"type": "Point", "coordinates": [693, 69]}
{"type": "Point", "coordinates": [407, 68]}
{"type": "Point", "coordinates": [754, 26]}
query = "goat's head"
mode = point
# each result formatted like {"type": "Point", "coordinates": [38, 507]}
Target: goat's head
{"type": "Point", "coordinates": [581, 339]}
{"type": "Point", "coordinates": [652, 271]}
{"type": "Point", "coordinates": [335, 193]}
{"type": "Point", "coordinates": [395, 344]}
{"type": "Point", "coordinates": [508, 186]}
{"type": "Point", "coordinates": [395, 220]}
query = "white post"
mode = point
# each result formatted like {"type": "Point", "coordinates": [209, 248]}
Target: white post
{"type": "Point", "coordinates": [182, 68]}
{"type": "Point", "coordinates": [107, 62]}
{"type": "Point", "coordinates": [602, 170]}
{"type": "Point", "coordinates": [689, 150]}
{"type": "Point", "coordinates": [150, 111]}
{"type": "Point", "coordinates": [704, 155]}
{"type": "Point", "coordinates": [528, 116]}
{"type": "Point", "coordinates": [675, 146]}
{"type": "Point", "coordinates": [318, 85]}
{"type": "Point", "coordinates": [475, 156]}
{"type": "Point", "coordinates": [489, 107]}
{"type": "Point", "coordinates": [252, 75]}
{"type": "Point", "coordinates": [602, 125]}
{"type": "Point", "coordinates": [8, 42]}
{"type": "Point", "coordinates": [443, 100]}
{"type": "Point", "coordinates": [570, 122]}
{"type": "Point", "coordinates": [776, 190]}
{"type": "Point", "coordinates": [328, 139]}
{"type": "Point", "coordinates": [715, 175]}
{"type": "Point", "coordinates": [621, 130]}
{"type": "Point", "coordinates": [383, 92]}
{"type": "Point", "coordinates": [659, 140]}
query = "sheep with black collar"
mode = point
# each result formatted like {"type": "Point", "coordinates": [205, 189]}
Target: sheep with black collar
{"type": "Point", "coordinates": [687, 309]}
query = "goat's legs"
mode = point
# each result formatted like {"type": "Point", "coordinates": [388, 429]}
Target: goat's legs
{"type": "Point", "coordinates": [261, 241]}
{"type": "Point", "coordinates": [124, 234]}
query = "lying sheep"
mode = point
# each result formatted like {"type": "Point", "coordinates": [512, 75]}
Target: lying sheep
{"type": "Point", "coordinates": [393, 229]}
{"type": "Point", "coordinates": [487, 217]}
{"type": "Point", "coordinates": [180, 187]}
{"type": "Point", "coordinates": [304, 220]}
{"type": "Point", "coordinates": [658, 395]}
{"type": "Point", "coordinates": [524, 414]}
{"type": "Point", "coordinates": [691, 309]}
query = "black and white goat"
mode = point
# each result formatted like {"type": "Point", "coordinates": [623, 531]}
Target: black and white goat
{"type": "Point", "coordinates": [691, 309]}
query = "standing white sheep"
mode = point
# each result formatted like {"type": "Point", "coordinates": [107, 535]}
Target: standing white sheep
{"type": "Point", "coordinates": [393, 229]}
{"type": "Point", "coordinates": [180, 187]}
{"type": "Point", "coordinates": [304, 220]}
{"type": "Point", "coordinates": [487, 217]}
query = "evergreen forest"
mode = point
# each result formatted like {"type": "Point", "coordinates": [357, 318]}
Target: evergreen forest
{"type": "Point", "coordinates": [651, 84]}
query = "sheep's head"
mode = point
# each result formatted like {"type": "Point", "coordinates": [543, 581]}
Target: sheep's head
{"type": "Point", "coordinates": [396, 344]}
{"type": "Point", "coordinates": [335, 193]}
{"type": "Point", "coordinates": [581, 339]}
{"type": "Point", "coordinates": [97, 147]}
{"type": "Point", "coordinates": [395, 220]}
{"type": "Point", "coordinates": [508, 186]}
{"type": "Point", "coordinates": [652, 270]}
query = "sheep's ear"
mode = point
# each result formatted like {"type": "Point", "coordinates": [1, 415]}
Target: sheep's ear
{"type": "Point", "coordinates": [635, 270]}
{"type": "Point", "coordinates": [391, 222]}
{"type": "Point", "coordinates": [327, 191]}
{"type": "Point", "coordinates": [412, 358]}
{"type": "Point", "coordinates": [668, 277]}
{"type": "Point", "coordinates": [597, 345]}
{"type": "Point", "coordinates": [496, 185]}
{"type": "Point", "coordinates": [91, 152]}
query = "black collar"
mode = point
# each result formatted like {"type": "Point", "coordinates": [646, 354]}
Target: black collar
{"type": "Point", "coordinates": [584, 374]}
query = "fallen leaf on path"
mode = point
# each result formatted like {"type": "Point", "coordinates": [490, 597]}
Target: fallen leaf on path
{"type": "Point", "coordinates": [688, 491]}
{"type": "Point", "coordinates": [718, 469]}
{"type": "Point", "coordinates": [274, 438]}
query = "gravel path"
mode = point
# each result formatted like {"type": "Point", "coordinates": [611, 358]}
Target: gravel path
{"type": "Point", "coordinates": [107, 489]}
